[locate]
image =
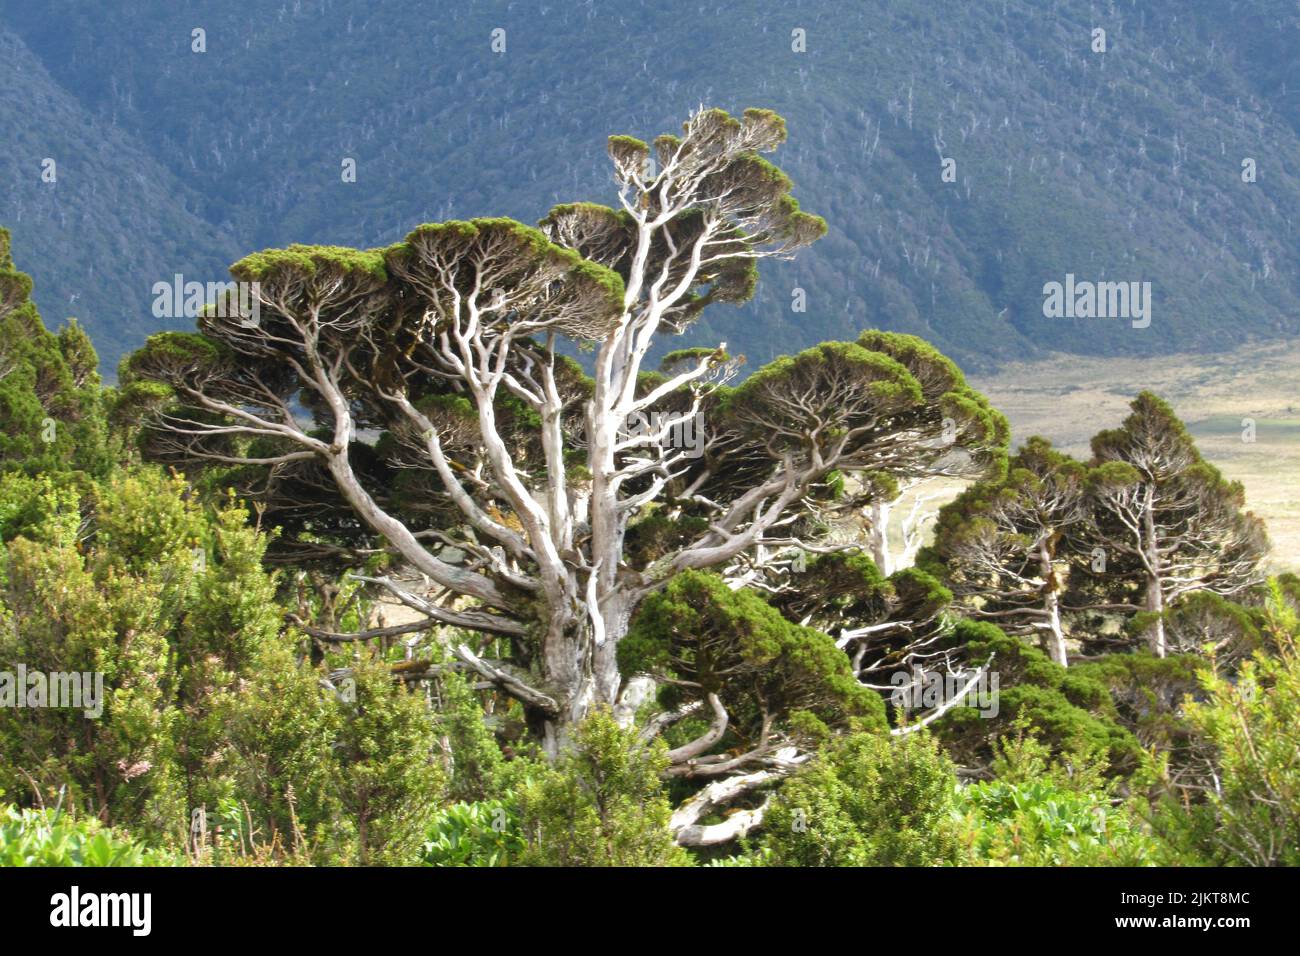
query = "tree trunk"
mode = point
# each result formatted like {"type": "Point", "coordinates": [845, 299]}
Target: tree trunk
{"type": "Point", "coordinates": [1155, 603]}
{"type": "Point", "coordinates": [1155, 596]}
{"type": "Point", "coordinates": [1052, 605]}
{"type": "Point", "coordinates": [582, 674]}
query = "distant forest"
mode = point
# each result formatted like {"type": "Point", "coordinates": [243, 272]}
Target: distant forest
{"type": "Point", "coordinates": [1125, 165]}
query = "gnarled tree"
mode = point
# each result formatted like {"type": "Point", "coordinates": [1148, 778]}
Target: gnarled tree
{"type": "Point", "coordinates": [423, 385]}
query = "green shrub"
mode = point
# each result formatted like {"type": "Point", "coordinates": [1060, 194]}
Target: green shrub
{"type": "Point", "coordinates": [473, 834]}
{"type": "Point", "coordinates": [1070, 710]}
{"type": "Point", "coordinates": [1042, 823]}
{"type": "Point", "coordinates": [472, 752]}
{"type": "Point", "coordinates": [1251, 812]}
{"type": "Point", "coordinates": [48, 838]}
{"type": "Point", "coordinates": [869, 799]}
{"type": "Point", "coordinates": [387, 778]}
{"type": "Point", "coordinates": [599, 804]}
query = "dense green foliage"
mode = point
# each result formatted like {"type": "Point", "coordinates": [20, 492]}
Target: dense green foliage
{"type": "Point", "coordinates": [51, 406]}
{"type": "Point", "coordinates": [867, 800]}
{"type": "Point", "coordinates": [733, 644]}
{"type": "Point", "coordinates": [1040, 823]}
{"type": "Point", "coordinates": [1072, 713]}
{"type": "Point", "coordinates": [473, 834]}
{"type": "Point", "coordinates": [1251, 816]}
{"type": "Point", "coordinates": [45, 838]}
{"type": "Point", "coordinates": [206, 704]}
{"type": "Point", "coordinates": [602, 804]}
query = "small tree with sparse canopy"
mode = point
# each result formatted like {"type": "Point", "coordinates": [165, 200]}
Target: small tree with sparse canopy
{"type": "Point", "coordinates": [1003, 544]}
{"type": "Point", "coordinates": [1175, 523]}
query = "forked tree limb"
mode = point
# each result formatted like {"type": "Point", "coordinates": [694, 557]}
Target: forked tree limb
{"type": "Point", "coordinates": [702, 743]}
{"type": "Point", "coordinates": [944, 708]}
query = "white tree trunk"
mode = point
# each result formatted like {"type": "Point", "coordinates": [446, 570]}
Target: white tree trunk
{"type": "Point", "coordinates": [1052, 606]}
{"type": "Point", "coordinates": [1155, 596]}
{"type": "Point", "coordinates": [581, 672]}
{"type": "Point", "coordinates": [1155, 603]}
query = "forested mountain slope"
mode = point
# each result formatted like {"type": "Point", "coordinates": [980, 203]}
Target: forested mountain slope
{"type": "Point", "coordinates": [1123, 166]}
{"type": "Point", "coordinates": [114, 221]}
